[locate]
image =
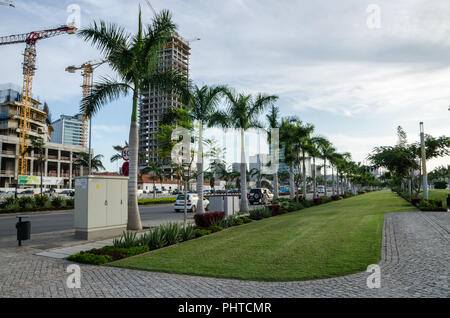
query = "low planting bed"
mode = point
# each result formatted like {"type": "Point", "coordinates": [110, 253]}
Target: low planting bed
{"type": "Point", "coordinates": [156, 201]}
{"type": "Point", "coordinates": [35, 204]}
{"type": "Point", "coordinates": [437, 203]}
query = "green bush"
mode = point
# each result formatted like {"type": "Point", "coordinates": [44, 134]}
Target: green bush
{"type": "Point", "coordinates": [40, 201]}
{"type": "Point", "coordinates": [127, 240]}
{"type": "Point", "coordinates": [238, 221]}
{"type": "Point", "coordinates": [26, 202]}
{"type": "Point", "coordinates": [12, 206]}
{"type": "Point", "coordinates": [215, 228]}
{"type": "Point", "coordinates": [442, 185]}
{"type": "Point", "coordinates": [157, 201]}
{"type": "Point", "coordinates": [172, 233]}
{"type": "Point", "coordinates": [202, 232]}
{"type": "Point", "coordinates": [157, 238]}
{"type": "Point", "coordinates": [88, 258]}
{"type": "Point", "coordinates": [57, 202]}
{"type": "Point", "coordinates": [70, 202]}
{"type": "Point", "coordinates": [260, 213]}
{"type": "Point", "coordinates": [187, 233]}
{"type": "Point", "coordinates": [246, 219]}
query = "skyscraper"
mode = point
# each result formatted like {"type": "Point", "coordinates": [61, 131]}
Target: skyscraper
{"type": "Point", "coordinates": [68, 130]}
{"type": "Point", "coordinates": [153, 104]}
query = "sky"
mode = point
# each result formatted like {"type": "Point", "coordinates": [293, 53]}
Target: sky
{"type": "Point", "coordinates": [354, 69]}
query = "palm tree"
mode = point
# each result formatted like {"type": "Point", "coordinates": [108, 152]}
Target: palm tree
{"type": "Point", "coordinates": [273, 123]}
{"type": "Point", "coordinates": [118, 155]}
{"type": "Point", "coordinates": [242, 114]}
{"type": "Point", "coordinates": [156, 171]}
{"type": "Point", "coordinates": [83, 161]}
{"type": "Point", "coordinates": [211, 176]}
{"type": "Point", "coordinates": [203, 104]}
{"type": "Point", "coordinates": [326, 151]}
{"type": "Point", "coordinates": [38, 146]}
{"type": "Point", "coordinates": [134, 58]}
{"type": "Point", "coordinates": [315, 143]}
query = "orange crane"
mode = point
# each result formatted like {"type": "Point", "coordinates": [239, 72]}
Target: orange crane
{"type": "Point", "coordinates": [87, 72]}
{"type": "Point", "coordinates": [29, 68]}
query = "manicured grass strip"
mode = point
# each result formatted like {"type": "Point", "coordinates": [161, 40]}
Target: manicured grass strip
{"type": "Point", "coordinates": [440, 195]}
{"type": "Point", "coordinates": [335, 239]}
{"type": "Point", "coordinates": [156, 201]}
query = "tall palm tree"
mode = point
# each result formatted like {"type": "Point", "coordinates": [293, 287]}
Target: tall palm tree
{"type": "Point", "coordinates": [134, 58]}
{"type": "Point", "coordinates": [204, 102]}
{"type": "Point", "coordinates": [242, 113]}
{"type": "Point", "coordinates": [38, 146]}
{"type": "Point", "coordinates": [315, 143]}
{"type": "Point", "coordinates": [83, 161]}
{"type": "Point", "coordinates": [273, 122]}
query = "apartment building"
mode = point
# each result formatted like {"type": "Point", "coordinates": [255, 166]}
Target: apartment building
{"type": "Point", "coordinates": [153, 104]}
{"type": "Point", "coordinates": [68, 130]}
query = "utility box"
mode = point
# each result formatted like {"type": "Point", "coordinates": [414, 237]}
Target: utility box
{"type": "Point", "coordinates": [227, 204]}
{"type": "Point", "coordinates": [101, 206]}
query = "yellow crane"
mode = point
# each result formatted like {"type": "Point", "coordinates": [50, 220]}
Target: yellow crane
{"type": "Point", "coordinates": [87, 74]}
{"type": "Point", "coordinates": [29, 68]}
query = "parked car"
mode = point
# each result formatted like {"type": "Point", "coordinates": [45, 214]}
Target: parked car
{"type": "Point", "coordinates": [321, 189]}
{"type": "Point", "coordinates": [256, 195]}
{"type": "Point", "coordinates": [26, 193]}
{"type": "Point", "coordinates": [192, 203]}
{"type": "Point", "coordinates": [68, 193]}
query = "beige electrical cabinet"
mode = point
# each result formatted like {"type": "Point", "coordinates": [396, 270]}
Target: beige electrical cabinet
{"type": "Point", "coordinates": [101, 206]}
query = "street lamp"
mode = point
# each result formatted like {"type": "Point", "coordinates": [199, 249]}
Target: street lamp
{"type": "Point", "coordinates": [424, 163]}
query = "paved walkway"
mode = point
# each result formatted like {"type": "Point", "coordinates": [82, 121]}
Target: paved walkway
{"type": "Point", "coordinates": [415, 263]}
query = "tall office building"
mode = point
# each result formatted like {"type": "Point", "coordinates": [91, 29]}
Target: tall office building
{"type": "Point", "coordinates": [153, 104]}
{"type": "Point", "coordinates": [68, 130]}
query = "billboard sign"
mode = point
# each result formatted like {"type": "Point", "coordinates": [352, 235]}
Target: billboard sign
{"type": "Point", "coordinates": [35, 180]}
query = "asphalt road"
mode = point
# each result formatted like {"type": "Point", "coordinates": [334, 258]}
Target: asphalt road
{"type": "Point", "coordinates": [45, 223]}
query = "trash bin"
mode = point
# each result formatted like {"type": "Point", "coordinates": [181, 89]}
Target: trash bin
{"type": "Point", "coordinates": [23, 230]}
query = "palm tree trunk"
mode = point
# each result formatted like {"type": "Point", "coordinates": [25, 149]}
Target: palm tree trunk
{"type": "Point", "coordinates": [276, 190]}
{"type": "Point", "coordinates": [291, 182]}
{"type": "Point", "coordinates": [325, 175]}
{"type": "Point", "coordinates": [200, 208]}
{"type": "Point", "coordinates": [134, 218]}
{"type": "Point", "coordinates": [314, 178]}
{"type": "Point", "coordinates": [304, 175]}
{"type": "Point", "coordinates": [332, 177]}
{"type": "Point", "coordinates": [244, 201]}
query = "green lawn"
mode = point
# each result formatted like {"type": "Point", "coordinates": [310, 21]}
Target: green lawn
{"type": "Point", "coordinates": [440, 195]}
{"type": "Point", "coordinates": [334, 239]}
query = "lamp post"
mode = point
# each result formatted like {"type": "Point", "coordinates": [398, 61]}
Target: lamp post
{"type": "Point", "coordinates": [424, 163]}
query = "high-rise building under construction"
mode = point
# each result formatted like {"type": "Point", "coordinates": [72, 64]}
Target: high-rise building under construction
{"type": "Point", "coordinates": [153, 104]}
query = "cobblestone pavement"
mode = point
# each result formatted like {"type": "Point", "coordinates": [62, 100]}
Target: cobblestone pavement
{"type": "Point", "coordinates": [415, 263]}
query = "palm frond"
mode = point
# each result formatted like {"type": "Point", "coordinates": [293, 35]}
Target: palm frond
{"type": "Point", "coordinates": [103, 92]}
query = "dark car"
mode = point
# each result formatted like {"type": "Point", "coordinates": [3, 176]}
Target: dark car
{"type": "Point", "coordinates": [259, 196]}
{"type": "Point", "coordinates": [27, 192]}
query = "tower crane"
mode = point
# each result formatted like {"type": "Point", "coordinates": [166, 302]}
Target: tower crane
{"type": "Point", "coordinates": [87, 72]}
{"type": "Point", "coordinates": [29, 68]}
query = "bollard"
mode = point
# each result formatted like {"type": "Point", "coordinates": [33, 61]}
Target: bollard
{"type": "Point", "coordinates": [23, 229]}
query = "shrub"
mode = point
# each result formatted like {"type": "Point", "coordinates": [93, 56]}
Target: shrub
{"type": "Point", "coordinates": [70, 202]}
{"type": "Point", "coordinates": [415, 201]}
{"type": "Point", "coordinates": [260, 213]}
{"type": "Point", "coordinates": [156, 201]}
{"type": "Point", "coordinates": [12, 206]}
{"type": "Point", "coordinates": [230, 221]}
{"type": "Point", "coordinates": [275, 209]}
{"type": "Point", "coordinates": [157, 238]}
{"type": "Point", "coordinates": [430, 205]}
{"type": "Point", "coordinates": [40, 200]}
{"type": "Point", "coordinates": [215, 228]}
{"type": "Point", "coordinates": [246, 219]}
{"type": "Point", "coordinates": [187, 233]}
{"type": "Point", "coordinates": [206, 219]}
{"type": "Point", "coordinates": [326, 199]}
{"type": "Point", "coordinates": [57, 202]}
{"type": "Point", "coordinates": [440, 185]}
{"type": "Point", "coordinates": [127, 240]}
{"type": "Point", "coordinates": [26, 202]}
{"type": "Point", "coordinates": [88, 258]}
{"type": "Point", "coordinates": [202, 232]}
{"type": "Point", "coordinates": [172, 233]}
{"type": "Point", "coordinates": [336, 198]}
{"type": "Point", "coordinates": [238, 221]}
{"type": "Point", "coordinates": [318, 201]}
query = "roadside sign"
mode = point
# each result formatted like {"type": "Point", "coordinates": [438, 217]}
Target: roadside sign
{"type": "Point", "coordinates": [125, 153]}
{"type": "Point", "coordinates": [35, 180]}
{"type": "Point", "coordinates": [126, 169]}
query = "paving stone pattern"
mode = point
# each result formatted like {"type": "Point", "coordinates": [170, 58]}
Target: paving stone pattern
{"type": "Point", "coordinates": [415, 263]}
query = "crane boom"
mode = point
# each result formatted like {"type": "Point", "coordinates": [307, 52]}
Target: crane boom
{"type": "Point", "coordinates": [29, 68]}
{"type": "Point", "coordinates": [87, 70]}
